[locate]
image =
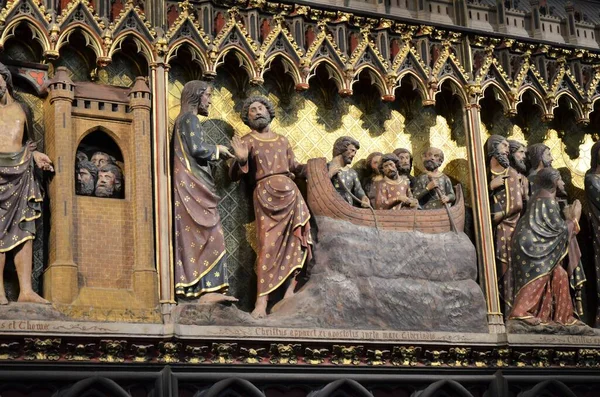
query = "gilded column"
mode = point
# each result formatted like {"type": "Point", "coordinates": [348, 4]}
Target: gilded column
{"type": "Point", "coordinates": [60, 279]}
{"type": "Point", "coordinates": [144, 273]}
{"type": "Point", "coordinates": [162, 187]}
{"type": "Point", "coordinates": [481, 212]}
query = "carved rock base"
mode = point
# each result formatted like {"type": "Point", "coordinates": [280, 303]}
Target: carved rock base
{"type": "Point", "coordinates": [362, 279]}
{"type": "Point", "coordinates": [520, 327]}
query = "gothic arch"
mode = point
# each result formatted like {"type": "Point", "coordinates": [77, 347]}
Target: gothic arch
{"type": "Point", "coordinates": [500, 94]}
{"type": "Point", "coordinates": [549, 385]}
{"type": "Point", "coordinates": [115, 138]}
{"type": "Point", "coordinates": [413, 76]}
{"type": "Point", "coordinates": [143, 46]}
{"type": "Point", "coordinates": [290, 66]}
{"type": "Point", "coordinates": [107, 385]}
{"type": "Point", "coordinates": [246, 62]}
{"type": "Point", "coordinates": [539, 99]}
{"type": "Point", "coordinates": [457, 88]}
{"type": "Point", "coordinates": [572, 101]}
{"type": "Point", "coordinates": [447, 385]}
{"type": "Point", "coordinates": [38, 31]}
{"type": "Point", "coordinates": [375, 76]}
{"type": "Point", "coordinates": [334, 73]}
{"type": "Point", "coordinates": [343, 385]}
{"type": "Point", "coordinates": [241, 385]}
{"type": "Point", "coordinates": [92, 39]}
{"type": "Point", "coordinates": [195, 50]}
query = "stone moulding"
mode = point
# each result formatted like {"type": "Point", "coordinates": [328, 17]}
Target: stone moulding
{"type": "Point", "coordinates": [55, 342]}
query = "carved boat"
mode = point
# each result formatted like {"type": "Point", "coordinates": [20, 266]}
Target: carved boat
{"type": "Point", "coordinates": [324, 200]}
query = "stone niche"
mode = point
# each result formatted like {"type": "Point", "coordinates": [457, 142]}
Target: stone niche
{"type": "Point", "coordinates": [101, 257]}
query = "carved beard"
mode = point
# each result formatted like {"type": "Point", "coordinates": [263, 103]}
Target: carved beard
{"type": "Point", "coordinates": [547, 163]}
{"type": "Point", "coordinates": [203, 110]}
{"type": "Point", "coordinates": [85, 188]}
{"type": "Point", "coordinates": [519, 165]}
{"type": "Point", "coordinates": [404, 169]}
{"type": "Point", "coordinates": [431, 165]}
{"type": "Point", "coordinates": [259, 123]}
{"type": "Point", "coordinates": [3, 91]}
{"type": "Point", "coordinates": [105, 190]}
{"type": "Point", "coordinates": [502, 159]}
{"type": "Point", "coordinates": [392, 174]}
{"type": "Point", "coordinates": [347, 159]}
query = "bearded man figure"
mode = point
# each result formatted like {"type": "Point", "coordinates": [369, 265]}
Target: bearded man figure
{"type": "Point", "coordinates": [200, 260]}
{"type": "Point", "coordinates": [406, 159]}
{"type": "Point", "coordinates": [345, 179]}
{"type": "Point", "coordinates": [282, 216]}
{"type": "Point", "coordinates": [371, 174]}
{"type": "Point", "coordinates": [110, 182]}
{"type": "Point", "coordinates": [433, 189]}
{"type": "Point", "coordinates": [518, 161]}
{"type": "Point", "coordinates": [393, 191]}
{"type": "Point", "coordinates": [539, 245]}
{"type": "Point", "coordinates": [20, 194]}
{"type": "Point", "coordinates": [87, 175]}
{"type": "Point", "coordinates": [506, 199]}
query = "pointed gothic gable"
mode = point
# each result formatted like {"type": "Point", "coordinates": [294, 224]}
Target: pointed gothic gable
{"type": "Point", "coordinates": [31, 8]}
{"type": "Point", "coordinates": [368, 54]}
{"type": "Point", "coordinates": [408, 59]}
{"type": "Point", "coordinates": [531, 80]}
{"type": "Point", "coordinates": [567, 83]}
{"type": "Point", "coordinates": [453, 68]}
{"type": "Point", "coordinates": [324, 47]}
{"type": "Point", "coordinates": [187, 29]}
{"type": "Point", "coordinates": [80, 12]}
{"type": "Point", "coordinates": [280, 40]}
{"type": "Point", "coordinates": [132, 18]}
{"type": "Point", "coordinates": [233, 34]}
{"type": "Point", "coordinates": [495, 73]}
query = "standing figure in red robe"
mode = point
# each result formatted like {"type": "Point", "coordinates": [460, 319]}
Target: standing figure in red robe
{"type": "Point", "coordinates": [282, 216]}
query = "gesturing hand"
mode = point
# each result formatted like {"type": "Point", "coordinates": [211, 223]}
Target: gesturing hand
{"type": "Point", "coordinates": [43, 161]}
{"type": "Point", "coordinates": [240, 149]}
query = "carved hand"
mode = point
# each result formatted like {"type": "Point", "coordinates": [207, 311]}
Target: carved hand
{"type": "Point", "coordinates": [445, 199]}
{"type": "Point", "coordinates": [43, 161]}
{"type": "Point", "coordinates": [413, 202]}
{"type": "Point", "coordinates": [240, 149]}
{"type": "Point", "coordinates": [573, 212]}
{"type": "Point", "coordinates": [432, 184]}
{"type": "Point", "coordinates": [497, 182]}
{"type": "Point", "coordinates": [365, 203]}
{"type": "Point", "coordinates": [224, 151]}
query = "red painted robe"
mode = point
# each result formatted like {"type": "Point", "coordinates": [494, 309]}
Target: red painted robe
{"type": "Point", "coordinates": [390, 194]}
{"type": "Point", "coordinates": [282, 216]}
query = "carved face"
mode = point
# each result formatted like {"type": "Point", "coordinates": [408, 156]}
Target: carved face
{"type": "Point", "coordinates": [560, 185]}
{"type": "Point", "coordinates": [404, 163]}
{"type": "Point", "coordinates": [349, 154]}
{"type": "Point", "coordinates": [205, 102]}
{"type": "Point", "coordinates": [375, 164]}
{"type": "Point", "coordinates": [501, 153]}
{"type": "Point", "coordinates": [106, 184]}
{"type": "Point", "coordinates": [547, 158]}
{"type": "Point", "coordinates": [258, 116]}
{"type": "Point", "coordinates": [85, 182]}
{"type": "Point", "coordinates": [389, 170]}
{"type": "Point", "coordinates": [519, 159]}
{"type": "Point", "coordinates": [433, 158]}
{"type": "Point", "coordinates": [100, 159]}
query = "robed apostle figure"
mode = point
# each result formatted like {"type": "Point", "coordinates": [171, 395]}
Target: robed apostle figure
{"type": "Point", "coordinates": [539, 245]}
{"type": "Point", "coordinates": [200, 259]}
{"type": "Point", "coordinates": [393, 192]}
{"type": "Point", "coordinates": [282, 216]}
{"type": "Point", "coordinates": [20, 194]}
{"type": "Point", "coordinates": [433, 189]}
{"type": "Point", "coordinates": [592, 192]}
{"type": "Point", "coordinates": [345, 179]}
{"type": "Point", "coordinates": [506, 200]}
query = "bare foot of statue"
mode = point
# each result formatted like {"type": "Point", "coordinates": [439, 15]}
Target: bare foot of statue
{"type": "Point", "coordinates": [31, 297]}
{"type": "Point", "coordinates": [260, 308]}
{"type": "Point", "coordinates": [215, 297]}
{"type": "Point", "coordinates": [3, 300]}
{"type": "Point", "coordinates": [289, 292]}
